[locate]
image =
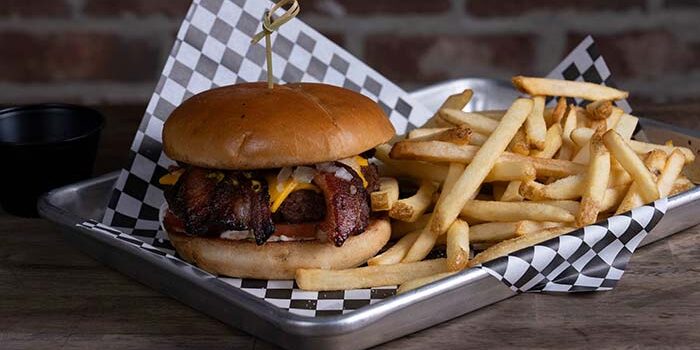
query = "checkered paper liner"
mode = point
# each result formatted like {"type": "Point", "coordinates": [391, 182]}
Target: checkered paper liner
{"type": "Point", "coordinates": [592, 258]}
{"type": "Point", "coordinates": [213, 49]}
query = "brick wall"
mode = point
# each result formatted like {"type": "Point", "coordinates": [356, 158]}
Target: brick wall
{"type": "Point", "coordinates": [106, 51]}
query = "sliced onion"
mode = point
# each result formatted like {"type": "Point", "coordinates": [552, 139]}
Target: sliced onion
{"type": "Point", "coordinates": [304, 174]}
{"type": "Point", "coordinates": [327, 167]}
{"type": "Point", "coordinates": [344, 174]}
{"type": "Point", "coordinates": [352, 163]}
{"type": "Point", "coordinates": [282, 177]}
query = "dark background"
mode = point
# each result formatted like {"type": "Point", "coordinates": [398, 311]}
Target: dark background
{"type": "Point", "coordinates": [111, 52]}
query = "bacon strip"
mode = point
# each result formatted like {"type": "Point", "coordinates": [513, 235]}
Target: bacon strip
{"type": "Point", "coordinates": [210, 202]}
{"type": "Point", "coordinates": [347, 210]}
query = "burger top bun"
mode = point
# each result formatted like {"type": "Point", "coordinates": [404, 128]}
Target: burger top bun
{"type": "Point", "coordinates": [249, 126]}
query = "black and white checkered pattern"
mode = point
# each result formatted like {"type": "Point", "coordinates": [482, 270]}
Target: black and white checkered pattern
{"type": "Point", "coordinates": [288, 296]}
{"type": "Point", "coordinates": [213, 49]}
{"type": "Point", "coordinates": [585, 63]}
{"type": "Point", "coordinates": [592, 258]}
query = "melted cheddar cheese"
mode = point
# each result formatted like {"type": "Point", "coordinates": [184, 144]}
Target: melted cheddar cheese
{"type": "Point", "coordinates": [362, 163]}
{"type": "Point", "coordinates": [171, 178]}
{"type": "Point", "coordinates": [289, 186]}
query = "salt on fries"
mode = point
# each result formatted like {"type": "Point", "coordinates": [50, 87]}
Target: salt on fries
{"type": "Point", "coordinates": [500, 181]}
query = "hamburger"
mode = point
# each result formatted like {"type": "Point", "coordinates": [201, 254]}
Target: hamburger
{"type": "Point", "coordinates": [272, 180]}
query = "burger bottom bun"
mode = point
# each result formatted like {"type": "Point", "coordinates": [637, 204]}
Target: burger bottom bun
{"type": "Point", "coordinates": [279, 260]}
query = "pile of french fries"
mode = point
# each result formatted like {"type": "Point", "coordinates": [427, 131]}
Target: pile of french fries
{"type": "Point", "coordinates": [499, 181]}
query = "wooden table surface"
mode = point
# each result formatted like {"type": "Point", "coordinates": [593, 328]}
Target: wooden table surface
{"type": "Point", "coordinates": [53, 296]}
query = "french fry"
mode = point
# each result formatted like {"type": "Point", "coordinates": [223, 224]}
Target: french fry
{"type": "Point", "coordinates": [671, 170]}
{"type": "Point", "coordinates": [395, 254]}
{"type": "Point", "coordinates": [598, 124]}
{"type": "Point", "coordinates": [568, 205]}
{"type": "Point", "coordinates": [474, 121]}
{"type": "Point", "coordinates": [626, 126]}
{"type": "Point", "coordinates": [451, 203]}
{"type": "Point", "coordinates": [570, 187]}
{"type": "Point", "coordinates": [402, 228]}
{"type": "Point", "coordinates": [556, 168]}
{"type": "Point", "coordinates": [583, 155]}
{"type": "Point", "coordinates": [551, 87]}
{"type": "Point", "coordinates": [411, 208]}
{"type": "Point", "coordinates": [535, 126]}
{"type": "Point", "coordinates": [494, 231]}
{"type": "Point", "coordinates": [611, 200]}
{"type": "Point", "coordinates": [582, 120]}
{"type": "Point", "coordinates": [366, 277]}
{"type": "Point", "coordinates": [457, 245]}
{"type": "Point", "coordinates": [552, 142]}
{"type": "Point", "coordinates": [570, 122]}
{"type": "Point", "coordinates": [654, 164]}
{"type": "Point", "coordinates": [514, 211]}
{"type": "Point", "coordinates": [420, 282]}
{"type": "Point", "coordinates": [640, 147]}
{"type": "Point", "coordinates": [681, 184]}
{"type": "Point", "coordinates": [498, 231]}
{"type": "Point", "coordinates": [456, 101]}
{"type": "Point", "coordinates": [528, 226]}
{"type": "Point", "coordinates": [387, 195]}
{"type": "Point", "coordinates": [532, 190]}
{"type": "Point", "coordinates": [581, 136]}
{"type": "Point", "coordinates": [655, 161]}
{"type": "Point", "coordinates": [600, 109]}
{"type": "Point", "coordinates": [399, 168]}
{"type": "Point", "coordinates": [519, 144]}
{"type": "Point", "coordinates": [512, 192]}
{"type": "Point", "coordinates": [557, 114]}
{"type": "Point", "coordinates": [633, 164]}
{"type": "Point", "coordinates": [618, 174]}
{"type": "Point", "coordinates": [614, 118]}
{"type": "Point", "coordinates": [511, 171]}
{"type": "Point", "coordinates": [459, 135]}
{"type": "Point", "coordinates": [477, 139]}
{"type": "Point", "coordinates": [596, 182]}
{"type": "Point", "coordinates": [436, 151]}
{"type": "Point", "coordinates": [422, 132]}
{"type": "Point", "coordinates": [511, 245]}
{"type": "Point", "coordinates": [613, 197]}
{"type": "Point", "coordinates": [565, 152]}
{"type": "Point", "coordinates": [453, 173]}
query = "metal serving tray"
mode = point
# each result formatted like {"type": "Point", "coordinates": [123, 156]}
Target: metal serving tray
{"type": "Point", "coordinates": [370, 325]}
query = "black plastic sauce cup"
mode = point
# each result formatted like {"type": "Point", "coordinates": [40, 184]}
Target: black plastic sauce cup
{"type": "Point", "coordinates": [43, 147]}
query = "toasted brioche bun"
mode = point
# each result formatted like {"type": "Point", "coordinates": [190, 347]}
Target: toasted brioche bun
{"type": "Point", "coordinates": [249, 126]}
{"type": "Point", "coordinates": [278, 260]}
